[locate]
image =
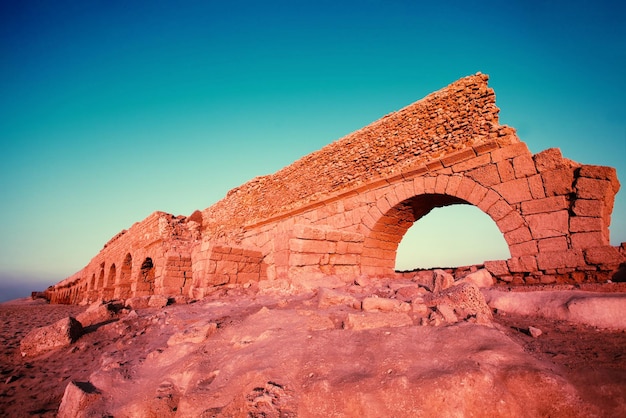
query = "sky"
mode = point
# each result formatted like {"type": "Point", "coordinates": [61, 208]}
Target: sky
{"type": "Point", "coordinates": [111, 110]}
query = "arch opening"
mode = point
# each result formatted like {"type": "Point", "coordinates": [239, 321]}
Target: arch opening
{"type": "Point", "coordinates": [451, 236]}
{"type": "Point", "coordinates": [145, 281]}
{"type": "Point", "coordinates": [381, 245]}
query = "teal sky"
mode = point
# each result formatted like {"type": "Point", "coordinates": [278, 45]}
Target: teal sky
{"type": "Point", "coordinates": [112, 110]}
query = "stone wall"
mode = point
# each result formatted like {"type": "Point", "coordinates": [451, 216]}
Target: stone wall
{"type": "Point", "coordinates": [343, 210]}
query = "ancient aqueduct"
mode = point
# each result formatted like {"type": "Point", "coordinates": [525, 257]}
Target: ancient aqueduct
{"type": "Point", "coordinates": [343, 210]}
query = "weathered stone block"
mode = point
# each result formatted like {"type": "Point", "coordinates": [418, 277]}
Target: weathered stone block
{"type": "Point", "coordinates": [587, 188]}
{"type": "Point", "coordinates": [60, 334]}
{"type": "Point", "coordinates": [306, 259]}
{"type": "Point", "coordinates": [603, 255]}
{"type": "Point", "coordinates": [555, 244]}
{"type": "Point", "coordinates": [548, 204]}
{"type": "Point", "coordinates": [487, 175]}
{"type": "Point", "coordinates": [523, 248]}
{"type": "Point", "coordinates": [514, 191]}
{"type": "Point", "coordinates": [558, 182]}
{"type": "Point", "coordinates": [510, 151]}
{"type": "Point", "coordinates": [524, 166]}
{"type": "Point", "coordinates": [585, 224]}
{"type": "Point", "coordinates": [588, 240]}
{"type": "Point", "coordinates": [505, 169]}
{"type": "Point", "coordinates": [590, 208]}
{"type": "Point", "coordinates": [535, 184]}
{"type": "Point", "coordinates": [561, 259]}
{"type": "Point", "coordinates": [601, 173]}
{"type": "Point", "coordinates": [548, 159]}
{"type": "Point", "coordinates": [511, 222]}
{"type": "Point", "coordinates": [545, 225]}
{"type": "Point", "coordinates": [472, 163]}
{"type": "Point", "coordinates": [497, 267]}
{"type": "Point", "coordinates": [373, 320]}
{"type": "Point", "coordinates": [526, 263]}
{"type": "Point", "coordinates": [499, 210]}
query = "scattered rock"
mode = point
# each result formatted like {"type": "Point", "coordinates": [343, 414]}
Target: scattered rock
{"type": "Point", "coordinates": [374, 304]}
{"type": "Point", "coordinates": [534, 332]}
{"type": "Point", "coordinates": [99, 312]}
{"type": "Point", "coordinates": [481, 278]}
{"type": "Point", "coordinates": [78, 397]}
{"type": "Point", "coordinates": [448, 313]}
{"type": "Point", "coordinates": [372, 320]}
{"type": "Point", "coordinates": [408, 293]}
{"type": "Point", "coordinates": [466, 300]}
{"type": "Point", "coordinates": [441, 280]}
{"type": "Point", "coordinates": [139, 302]}
{"type": "Point", "coordinates": [60, 334]}
{"type": "Point", "coordinates": [329, 297]}
{"type": "Point", "coordinates": [158, 301]}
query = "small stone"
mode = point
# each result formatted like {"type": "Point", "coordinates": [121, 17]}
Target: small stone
{"type": "Point", "coordinates": [534, 332]}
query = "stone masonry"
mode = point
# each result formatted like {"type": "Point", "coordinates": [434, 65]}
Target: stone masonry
{"type": "Point", "coordinates": [343, 210]}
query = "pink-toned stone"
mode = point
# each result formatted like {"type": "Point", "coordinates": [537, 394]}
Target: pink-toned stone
{"type": "Point", "coordinates": [524, 248]}
{"type": "Point", "coordinates": [556, 244]}
{"type": "Point", "coordinates": [548, 159]}
{"type": "Point", "coordinates": [517, 236]}
{"type": "Point", "coordinates": [604, 255]}
{"type": "Point", "coordinates": [505, 170]}
{"type": "Point", "coordinates": [590, 208]}
{"type": "Point", "coordinates": [561, 259]}
{"type": "Point", "coordinates": [497, 267]}
{"type": "Point", "coordinates": [588, 240]}
{"type": "Point", "coordinates": [510, 222]}
{"type": "Point", "coordinates": [526, 263]}
{"type": "Point", "coordinates": [558, 182]}
{"type": "Point", "coordinates": [587, 188]}
{"type": "Point", "coordinates": [471, 163]}
{"type": "Point", "coordinates": [585, 224]}
{"type": "Point", "coordinates": [514, 191]}
{"type": "Point", "coordinates": [548, 204]}
{"type": "Point", "coordinates": [510, 151]}
{"type": "Point", "coordinates": [535, 184]}
{"type": "Point", "coordinates": [487, 175]}
{"type": "Point", "coordinates": [545, 225]}
{"type": "Point", "coordinates": [524, 166]}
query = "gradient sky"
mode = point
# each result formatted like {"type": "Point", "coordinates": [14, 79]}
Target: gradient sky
{"type": "Point", "coordinates": [112, 110]}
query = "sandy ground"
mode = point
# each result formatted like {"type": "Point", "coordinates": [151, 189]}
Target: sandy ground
{"type": "Point", "coordinates": [301, 356]}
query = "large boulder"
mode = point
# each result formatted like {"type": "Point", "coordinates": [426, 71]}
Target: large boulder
{"type": "Point", "coordinates": [98, 313]}
{"type": "Point", "coordinates": [60, 334]}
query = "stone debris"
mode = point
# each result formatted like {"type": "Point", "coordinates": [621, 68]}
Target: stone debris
{"type": "Point", "coordinates": [373, 320]}
{"type": "Point", "coordinates": [534, 332]}
{"type": "Point", "coordinates": [377, 304]}
{"type": "Point", "coordinates": [60, 334]}
{"type": "Point", "coordinates": [99, 312]}
{"type": "Point", "coordinates": [77, 399]}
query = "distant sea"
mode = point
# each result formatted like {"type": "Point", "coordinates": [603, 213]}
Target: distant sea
{"type": "Point", "coordinates": [16, 290]}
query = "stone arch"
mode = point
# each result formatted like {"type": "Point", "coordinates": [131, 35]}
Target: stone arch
{"type": "Point", "coordinates": [109, 290]}
{"type": "Point", "coordinates": [399, 205]}
{"type": "Point", "coordinates": [144, 284]}
{"type": "Point", "coordinates": [100, 282]}
{"type": "Point", "coordinates": [123, 280]}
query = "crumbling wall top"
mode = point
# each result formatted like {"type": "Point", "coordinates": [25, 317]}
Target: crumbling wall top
{"type": "Point", "coordinates": [456, 117]}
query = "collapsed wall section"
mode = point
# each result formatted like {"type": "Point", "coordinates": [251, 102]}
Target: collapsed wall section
{"type": "Point", "coordinates": [460, 116]}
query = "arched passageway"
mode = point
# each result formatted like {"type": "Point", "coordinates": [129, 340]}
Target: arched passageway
{"type": "Point", "coordinates": [145, 279]}
{"type": "Point", "coordinates": [123, 281]}
{"type": "Point", "coordinates": [451, 236]}
{"type": "Point", "coordinates": [381, 244]}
